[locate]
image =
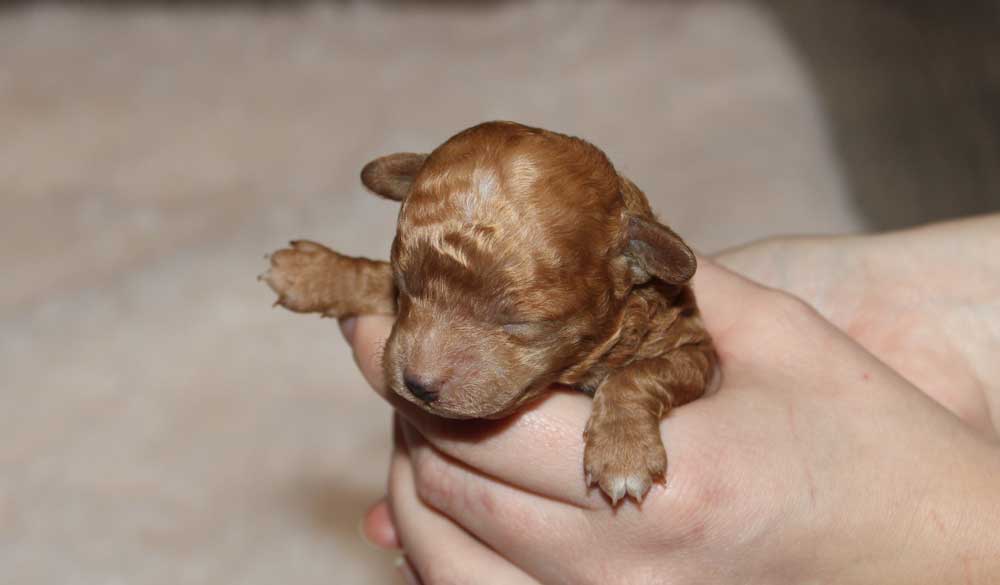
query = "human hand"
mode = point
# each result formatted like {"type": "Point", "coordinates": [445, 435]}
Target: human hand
{"type": "Point", "coordinates": [814, 462]}
{"type": "Point", "coordinates": [926, 301]}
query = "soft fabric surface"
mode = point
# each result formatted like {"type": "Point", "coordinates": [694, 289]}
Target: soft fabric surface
{"type": "Point", "coordinates": [159, 423]}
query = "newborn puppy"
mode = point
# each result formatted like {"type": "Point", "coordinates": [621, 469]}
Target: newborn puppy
{"type": "Point", "coordinates": [523, 259]}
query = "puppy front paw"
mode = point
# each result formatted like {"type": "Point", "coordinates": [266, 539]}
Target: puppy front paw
{"type": "Point", "coordinates": [623, 456]}
{"type": "Point", "coordinates": [305, 277]}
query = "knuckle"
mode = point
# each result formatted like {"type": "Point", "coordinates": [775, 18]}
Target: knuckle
{"type": "Point", "coordinates": [792, 307]}
{"type": "Point", "coordinates": [435, 483]}
{"type": "Point", "coordinates": [780, 319]}
{"type": "Point", "coordinates": [794, 316]}
{"type": "Point", "coordinates": [457, 492]}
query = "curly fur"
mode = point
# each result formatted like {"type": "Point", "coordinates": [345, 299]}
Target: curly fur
{"type": "Point", "coordinates": [523, 259]}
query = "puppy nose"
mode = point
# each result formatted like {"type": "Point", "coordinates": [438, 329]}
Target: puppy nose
{"type": "Point", "coordinates": [421, 390]}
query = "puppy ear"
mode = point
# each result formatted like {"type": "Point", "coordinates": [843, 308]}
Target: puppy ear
{"type": "Point", "coordinates": [391, 176]}
{"type": "Point", "coordinates": [656, 251]}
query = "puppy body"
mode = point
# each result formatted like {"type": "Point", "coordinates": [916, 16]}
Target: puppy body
{"type": "Point", "coordinates": [523, 259]}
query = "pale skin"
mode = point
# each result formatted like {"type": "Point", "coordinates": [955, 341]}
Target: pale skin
{"type": "Point", "coordinates": [815, 462]}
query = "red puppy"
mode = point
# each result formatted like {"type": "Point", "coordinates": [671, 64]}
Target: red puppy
{"type": "Point", "coordinates": [523, 259]}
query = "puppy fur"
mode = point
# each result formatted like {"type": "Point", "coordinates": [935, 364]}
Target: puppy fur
{"type": "Point", "coordinates": [522, 259]}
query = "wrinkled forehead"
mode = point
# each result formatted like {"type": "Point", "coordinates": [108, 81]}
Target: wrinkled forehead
{"type": "Point", "coordinates": [475, 191]}
{"type": "Point", "coordinates": [516, 203]}
{"type": "Point", "coordinates": [501, 177]}
{"type": "Point", "coordinates": [509, 225]}
{"type": "Point", "coordinates": [490, 270]}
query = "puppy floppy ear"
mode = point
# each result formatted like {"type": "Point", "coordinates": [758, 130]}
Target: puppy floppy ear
{"type": "Point", "coordinates": [392, 176]}
{"type": "Point", "coordinates": [654, 250]}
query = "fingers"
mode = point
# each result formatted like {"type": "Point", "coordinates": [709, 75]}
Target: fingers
{"type": "Point", "coordinates": [377, 526]}
{"type": "Point", "coordinates": [539, 449]}
{"type": "Point", "coordinates": [520, 525]}
{"type": "Point", "coordinates": [439, 551]}
{"type": "Point", "coordinates": [723, 295]}
{"type": "Point", "coordinates": [367, 335]}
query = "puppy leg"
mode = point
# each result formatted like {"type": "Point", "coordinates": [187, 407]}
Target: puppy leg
{"type": "Point", "coordinates": [311, 278]}
{"type": "Point", "coordinates": [624, 453]}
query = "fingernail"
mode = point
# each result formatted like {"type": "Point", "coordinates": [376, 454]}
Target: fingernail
{"type": "Point", "coordinates": [347, 327]}
{"type": "Point", "coordinates": [409, 577]}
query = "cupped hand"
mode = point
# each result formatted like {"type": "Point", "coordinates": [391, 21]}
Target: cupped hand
{"type": "Point", "coordinates": [926, 301]}
{"type": "Point", "coordinates": [814, 462]}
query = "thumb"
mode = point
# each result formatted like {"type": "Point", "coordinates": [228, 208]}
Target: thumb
{"type": "Point", "coordinates": [723, 295]}
{"type": "Point", "coordinates": [367, 336]}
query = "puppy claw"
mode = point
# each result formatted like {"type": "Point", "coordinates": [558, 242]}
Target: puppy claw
{"type": "Point", "coordinates": [615, 488]}
{"type": "Point", "coordinates": [624, 464]}
{"type": "Point", "coordinates": [637, 487]}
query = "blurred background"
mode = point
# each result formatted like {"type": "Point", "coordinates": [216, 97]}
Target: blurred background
{"type": "Point", "coordinates": [159, 423]}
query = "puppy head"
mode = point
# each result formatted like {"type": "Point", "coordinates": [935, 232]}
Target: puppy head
{"type": "Point", "coordinates": [515, 251]}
